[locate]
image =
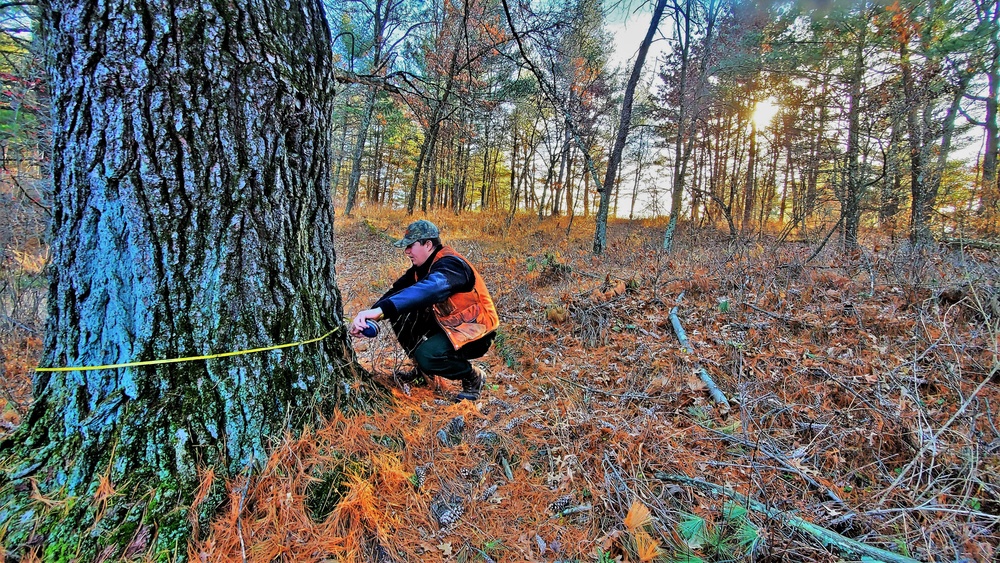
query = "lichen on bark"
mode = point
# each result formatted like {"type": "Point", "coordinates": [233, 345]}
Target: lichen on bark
{"type": "Point", "coordinates": [191, 217]}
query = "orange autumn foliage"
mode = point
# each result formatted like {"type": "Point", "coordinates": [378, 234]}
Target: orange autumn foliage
{"type": "Point", "coordinates": [839, 379]}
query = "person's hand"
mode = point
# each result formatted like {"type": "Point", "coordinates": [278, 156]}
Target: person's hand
{"type": "Point", "coordinates": [360, 321]}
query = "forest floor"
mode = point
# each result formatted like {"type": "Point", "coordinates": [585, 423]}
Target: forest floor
{"type": "Point", "coordinates": [862, 418]}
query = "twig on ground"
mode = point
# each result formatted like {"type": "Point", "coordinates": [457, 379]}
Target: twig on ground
{"type": "Point", "coordinates": [783, 460]}
{"type": "Point", "coordinates": [717, 395]}
{"type": "Point", "coordinates": [937, 435]}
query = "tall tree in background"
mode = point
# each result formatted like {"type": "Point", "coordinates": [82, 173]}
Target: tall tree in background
{"type": "Point", "coordinates": [934, 71]}
{"type": "Point", "coordinates": [191, 216]}
{"type": "Point", "coordinates": [857, 29]}
{"type": "Point", "coordinates": [551, 29]}
{"type": "Point", "coordinates": [988, 15]}
{"type": "Point", "coordinates": [988, 12]}
{"type": "Point", "coordinates": [465, 33]}
{"type": "Point", "coordinates": [577, 60]}
{"type": "Point", "coordinates": [600, 234]}
{"type": "Point", "coordinates": [383, 19]}
{"type": "Point", "coordinates": [688, 95]}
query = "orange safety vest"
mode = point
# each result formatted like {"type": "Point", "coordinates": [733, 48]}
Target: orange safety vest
{"type": "Point", "coordinates": [467, 316]}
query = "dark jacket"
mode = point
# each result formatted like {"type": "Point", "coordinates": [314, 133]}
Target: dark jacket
{"type": "Point", "coordinates": [430, 297]}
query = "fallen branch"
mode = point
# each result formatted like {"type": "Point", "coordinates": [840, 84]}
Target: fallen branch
{"type": "Point", "coordinates": [717, 395]}
{"type": "Point", "coordinates": [847, 546]}
{"type": "Point", "coordinates": [980, 244]}
{"type": "Point", "coordinates": [792, 322]}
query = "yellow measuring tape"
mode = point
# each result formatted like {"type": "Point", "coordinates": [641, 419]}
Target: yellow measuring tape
{"type": "Point", "coordinates": [191, 358]}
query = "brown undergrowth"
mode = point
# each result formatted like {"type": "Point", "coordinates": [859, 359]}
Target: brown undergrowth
{"type": "Point", "coordinates": [863, 393]}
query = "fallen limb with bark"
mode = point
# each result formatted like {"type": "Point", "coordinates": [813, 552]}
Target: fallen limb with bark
{"type": "Point", "coordinates": [717, 395]}
{"type": "Point", "coordinates": [968, 243]}
{"type": "Point", "coordinates": [829, 538]}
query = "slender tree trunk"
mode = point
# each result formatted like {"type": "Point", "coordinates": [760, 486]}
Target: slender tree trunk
{"type": "Point", "coordinates": [625, 120]}
{"type": "Point", "coordinates": [852, 172]}
{"type": "Point", "coordinates": [378, 166]}
{"type": "Point", "coordinates": [787, 181]}
{"type": "Point", "coordinates": [340, 156]}
{"type": "Point", "coordinates": [513, 171]}
{"type": "Point", "coordinates": [191, 216]}
{"type": "Point", "coordinates": [570, 203]}
{"type": "Point", "coordinates": [920, 212]}
{"type": "Point", "coordinates": [635, 185]}
{"type": "Point", "coordinates": [699, 156]}
{"type": "Point", "coordinates": [560, 184]}
{"type": "Point", "coordinates": [680, 161]}
{"type": "Point", "coordinates": [427, 151]}
{"type": "Point", "coordinates": [989, 10]}
{"type": "Point", "coordinates": [359, 150]}
{"type": "Point", "coordinates": [750, 193]}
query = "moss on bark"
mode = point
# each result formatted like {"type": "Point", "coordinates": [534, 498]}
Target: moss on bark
{"type": "Point", "coordinates": [191, 216]}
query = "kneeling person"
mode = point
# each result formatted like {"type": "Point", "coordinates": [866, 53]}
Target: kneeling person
{"type": "Point", "coordinates": [439, 309]}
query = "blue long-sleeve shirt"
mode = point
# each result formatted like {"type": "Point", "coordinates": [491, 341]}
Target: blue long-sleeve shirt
{"type": "Point", "coordinates": [421, 287]}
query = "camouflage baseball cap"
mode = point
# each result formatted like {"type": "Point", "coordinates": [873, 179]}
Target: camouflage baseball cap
{"type": "Point", "coordinates": [418, 230]}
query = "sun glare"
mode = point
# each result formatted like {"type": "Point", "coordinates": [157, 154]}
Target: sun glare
{"type": "Point", "coordinates": [765, 112]}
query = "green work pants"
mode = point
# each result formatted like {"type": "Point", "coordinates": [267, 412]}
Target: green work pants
{"type": "Point", "coordinates": [436, 356]}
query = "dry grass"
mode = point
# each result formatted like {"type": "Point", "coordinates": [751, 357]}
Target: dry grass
{"type": "Point", "coordinates": [861, 400]}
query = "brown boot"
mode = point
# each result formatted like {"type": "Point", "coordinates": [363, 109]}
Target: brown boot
{"type": "Point", "coordinates": [472, 386]}
{"type": "Point", "coordinates": [414, 376]}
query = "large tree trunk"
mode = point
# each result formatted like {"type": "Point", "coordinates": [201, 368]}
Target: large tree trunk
{"type": "Point", "coordinates": [191, 216]}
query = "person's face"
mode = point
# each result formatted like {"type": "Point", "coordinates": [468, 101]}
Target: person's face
{"type": "Point", "coordinates": [419, 252]}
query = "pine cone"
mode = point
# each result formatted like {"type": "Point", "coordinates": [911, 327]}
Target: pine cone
{"type": "Point", "coordinates": [456, 426]}
{"type": "Point", "coordinates": [514, 423]}
{"type": "Point", "coordinates": [451, 515]}
{"type": "Point", "coordinates": [446, 509]}
{"type": "Point", "coordinates": [489, 492]}
{"type": "Point", "coordinates": [420, 475]}
{"type": "Point", "coordinates": [560, 504]}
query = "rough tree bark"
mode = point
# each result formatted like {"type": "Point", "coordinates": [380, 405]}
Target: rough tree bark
{"type": "Point", "coordinates": [191, 216]}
